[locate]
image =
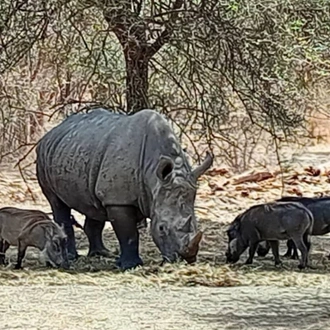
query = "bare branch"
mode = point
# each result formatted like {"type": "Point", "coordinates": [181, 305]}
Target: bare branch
{"type": "Point", "coordinates": [169, 26]}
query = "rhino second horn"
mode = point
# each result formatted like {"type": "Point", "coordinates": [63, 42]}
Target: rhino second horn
{"type": "Point", "coordinates": [201, 169]}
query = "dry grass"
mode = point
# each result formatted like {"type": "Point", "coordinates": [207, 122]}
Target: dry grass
{"type": "Point", "coordinates": [210, 270]}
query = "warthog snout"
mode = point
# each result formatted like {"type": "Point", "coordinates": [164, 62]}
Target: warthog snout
{"type": "Point", "coordinates": [65, 264]}
{"type": "Point", "coordinates": [230, 259]}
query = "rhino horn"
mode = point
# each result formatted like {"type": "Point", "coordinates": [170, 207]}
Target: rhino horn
{"type": "Point", "coordinates": [201, 169]}
{"type": "Point", "coordinates": [194, 243]}
{"type": "Point", "coordinates": [191, 250]}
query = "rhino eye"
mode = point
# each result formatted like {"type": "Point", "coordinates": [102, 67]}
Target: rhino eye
{"type": "Point", "coordinates": [167, 171]}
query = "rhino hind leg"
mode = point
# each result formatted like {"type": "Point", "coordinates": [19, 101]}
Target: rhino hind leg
{"type": "Point", "coordinates": [93, 230]}
{"type": "Point", "coordinates": [124, 222]}
{"type": "Point", "coordinates": [62, 216]}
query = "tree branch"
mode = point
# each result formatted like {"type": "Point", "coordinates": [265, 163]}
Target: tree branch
{"type": "Point", "coordinates": [166, 34]}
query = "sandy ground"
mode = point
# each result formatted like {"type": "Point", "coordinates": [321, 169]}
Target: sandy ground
{"type": "Point", "coordinates": [84, 307]}
{"type": "Point", "coordinates": [208, 295]}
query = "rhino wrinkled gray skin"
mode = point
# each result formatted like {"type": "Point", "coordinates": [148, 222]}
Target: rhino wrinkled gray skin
{"type": "Point", "coordinates": [270, 222]}
{"type": "Point", "coordinates": [24, 228]}
{"type": "Point", "coordinates": [123, 169]}
{"type": "Point", "coordinates": [319, 207]}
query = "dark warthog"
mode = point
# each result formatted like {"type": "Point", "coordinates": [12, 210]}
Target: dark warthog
{"type": "Point", "coordinates": [23, 228]}
{"type": "Point", "coordinates": [123, 169]}
{"type": "Point", "coordinates": [319, 207]}
{"type": "Point", "coordinates": [271, 222]}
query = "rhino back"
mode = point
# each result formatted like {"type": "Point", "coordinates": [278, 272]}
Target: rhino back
{"type": "Point", "coordinates": [94, 160]}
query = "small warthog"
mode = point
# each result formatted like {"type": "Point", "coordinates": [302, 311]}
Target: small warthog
{"type": "Point", "coordinates": [23, 228]}
{"type": "Point", "coordinates": [270, 222]}
{"type": "Point", "coordinates": [319, 207]}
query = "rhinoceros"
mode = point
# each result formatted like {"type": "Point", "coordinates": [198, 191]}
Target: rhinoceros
{"type": "Point", "coordinates": [122, 169]}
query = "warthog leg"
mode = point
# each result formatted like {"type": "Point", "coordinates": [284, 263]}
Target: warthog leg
{"type": "Point", "coordinates": [274, 246]}
{"type": "Point", "coordinates": [307, 241]}
{"type": "Point", "coordinates": [93, 229]}
{"type": "Point", "coordinates": [20, 255]}
{"type": "Point", "coordinates": [291, 247]}
{"type": "Point", "coordinates": [2, 255]}
{"type": "Point", "coordinates": [252, 250]}
{"type": "Point", "coordinates": [263, 249]}
{"type": "Point", "coordinates": [3, 248]}
{"type": "Point", "coordinates": [299, 242]}
{"type": "Point", "coordinates": [124, 221]}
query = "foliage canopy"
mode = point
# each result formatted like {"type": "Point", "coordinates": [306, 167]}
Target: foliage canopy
{"type": "Point", "coordinates": [216, 67]}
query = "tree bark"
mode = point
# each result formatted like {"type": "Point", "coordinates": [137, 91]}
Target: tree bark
{"type": "Point", "coordinates": [131, 31]}
{"type": "Point", "coordinates": [136, 80]}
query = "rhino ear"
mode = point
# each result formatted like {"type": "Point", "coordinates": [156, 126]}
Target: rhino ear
{"type": "Point", "coordinates": [165, 168]}
{"type": "Point", "coordinates": [201, 169]}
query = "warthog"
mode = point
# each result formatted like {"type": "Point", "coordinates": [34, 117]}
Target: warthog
{"type": "Point", "coordinates": [23, 228]}
{"type": "Point", "coordinates": [319, 207]}
{"type": "Point", "coordinates": [271, 222]}
{"type": "Point", "coordinates": [122, 169]}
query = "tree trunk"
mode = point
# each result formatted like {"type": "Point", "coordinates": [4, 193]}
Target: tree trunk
{"type": "Point", "coordinates": [136, 81]}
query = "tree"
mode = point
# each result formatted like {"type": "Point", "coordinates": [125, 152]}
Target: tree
{"type": "Point", "coordinates": [203, 63]}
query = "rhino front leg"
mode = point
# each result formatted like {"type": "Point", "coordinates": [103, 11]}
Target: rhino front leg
{"type": "Point", "coordinates": [93, 229]}
{"type": "Point", "coordinates": [124, 223]}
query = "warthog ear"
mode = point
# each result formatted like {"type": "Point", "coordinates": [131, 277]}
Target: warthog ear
{"type": "Point", "coordinates": [165, 168]}
{"type": "Point", "coordinates": [201, 169]}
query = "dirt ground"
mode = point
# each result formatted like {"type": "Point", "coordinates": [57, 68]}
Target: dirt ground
{"type": "Point", "coordinates": [133, 307]}
{"type": "Point", "coordinates": [206, 295]}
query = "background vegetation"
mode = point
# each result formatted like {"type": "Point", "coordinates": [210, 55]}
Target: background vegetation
{"type": "Point", "coordinates": [232, 75]}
